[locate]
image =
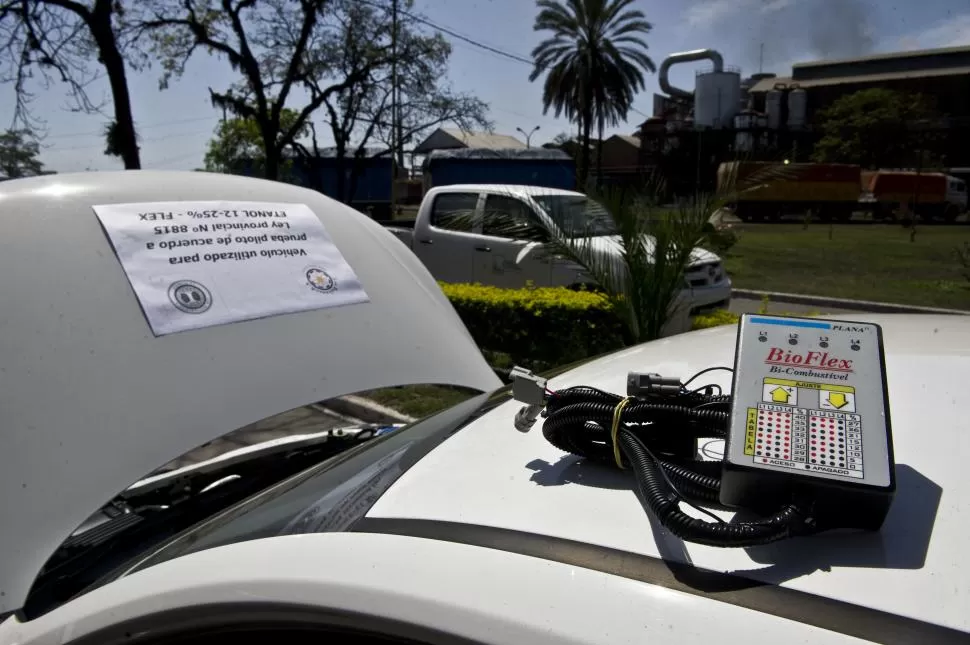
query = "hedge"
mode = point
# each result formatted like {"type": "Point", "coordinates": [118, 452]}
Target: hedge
{"type": "Point", "coordinates": [538, 327]}
{"type": "Point", "coordinates": [715, 319]}
{"type": "Point", "coordinates": [541, 328]}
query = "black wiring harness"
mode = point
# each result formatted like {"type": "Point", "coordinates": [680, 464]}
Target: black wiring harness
{"type": "Point", "coordinates": [654, 433]}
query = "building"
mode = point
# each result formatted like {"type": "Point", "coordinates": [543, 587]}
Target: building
{"type": "Point", "coordinates": [453, 138]}
{"type": "Point", "coordinates": [769, 117]}
{"type": "Point", "coordinates": [943, 75]}
{"type": "Point", "coordinates": [364, 183]}
{"type": "Point", "coordinates": [619, 161]}
{"type": "Point", "coordinates": [620, 154]}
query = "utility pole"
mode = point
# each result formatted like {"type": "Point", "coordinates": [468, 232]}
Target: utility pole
{"type": "Point", "coordinates": [761, 59]}
{"type": "Point", "coordinates": [399, 137]}
{"type": "Point", "coordinates": [394, 124]}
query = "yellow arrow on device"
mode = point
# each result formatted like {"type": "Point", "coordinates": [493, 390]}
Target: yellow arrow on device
{"type": "Point", "coordinates": [837, 400]}
{"type": "Point", "coordinates": [780, 395]}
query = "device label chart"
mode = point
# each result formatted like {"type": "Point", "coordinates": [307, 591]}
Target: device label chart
{"type": "Point", "coordinates": [806, 426]}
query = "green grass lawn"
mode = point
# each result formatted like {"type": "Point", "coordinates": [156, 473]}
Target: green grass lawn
{"type": "Point", "coordinates": [877, 262]}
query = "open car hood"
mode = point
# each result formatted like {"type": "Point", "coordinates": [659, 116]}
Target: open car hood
{"type": "Point", "coordinates": [92, 400]}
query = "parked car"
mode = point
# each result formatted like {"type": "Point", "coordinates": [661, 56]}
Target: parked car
{"type": "Point", "coordinates": [452, 529]}
{"type": "Point", "coordinates": [462, 234]}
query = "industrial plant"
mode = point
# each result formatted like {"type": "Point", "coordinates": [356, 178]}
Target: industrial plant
{"type": "Point", "coordinates": [768, 117]}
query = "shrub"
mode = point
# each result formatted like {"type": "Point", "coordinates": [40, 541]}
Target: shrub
{"type": "Point", "coordinates": [715, 319]}
{"type": "Point", "coordinates": [538, 328]}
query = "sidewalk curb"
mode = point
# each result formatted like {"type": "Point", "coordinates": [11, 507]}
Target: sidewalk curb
{"type": "Point", "coordinates": [853, 305]}
{"type": "Point", "coordinates": [366, 410]}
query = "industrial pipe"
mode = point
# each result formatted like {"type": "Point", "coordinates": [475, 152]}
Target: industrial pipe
{"type": "Point", "coordinates": [687, 57]}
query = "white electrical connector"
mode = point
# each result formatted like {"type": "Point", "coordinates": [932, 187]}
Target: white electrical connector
{"type": "Point", "coordinates": [529, 389]}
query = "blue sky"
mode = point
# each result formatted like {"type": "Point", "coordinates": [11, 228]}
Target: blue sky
{"type": "Point", "coordinates": [175, 124]}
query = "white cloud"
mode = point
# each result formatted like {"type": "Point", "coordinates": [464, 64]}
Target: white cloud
{"type": "Point", "coordinates": [709, 12]}
{"type": "Point", "coordinates": [953, 31]}
{"type": "Point", "coordinates": [771, 6]}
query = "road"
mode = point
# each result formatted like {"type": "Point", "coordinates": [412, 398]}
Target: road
{"type": "Point", "coordinates": [753, 306]}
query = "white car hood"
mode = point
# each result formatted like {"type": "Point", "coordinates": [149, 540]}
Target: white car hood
{"type": "Point", "coordinates": [92, 401]}
{"type": "Point", "coordinates": [916, 566]}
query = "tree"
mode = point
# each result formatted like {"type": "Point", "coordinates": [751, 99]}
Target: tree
{"type": "Point", "coordinates": [570, 145]}
{"type": "Point", "coordinates": [362, 111]}
{"type": "Point", "coordinates": [59, 39]}
{"type": "Point", "coordinates": [237, 140]}
{"type": "Point", "coordinates": [276, 46]}
{"type": "Point", "coordinates": [558, 142]}
{"type": "Point", "coordinates": [877, 127]}
{"type": "Point", "coordinates": [18, 155]}
{"type": "Point", "coordinates": [594, 63]}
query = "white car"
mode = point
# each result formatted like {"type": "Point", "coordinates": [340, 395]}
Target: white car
{"type": "Point", "coordinates": [453, 529]}
{"type": "Point", "coordinates": [492, 252]}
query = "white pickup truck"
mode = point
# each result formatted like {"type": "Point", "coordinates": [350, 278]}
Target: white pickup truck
{"type": "Point", "coordinates": [478, 249]}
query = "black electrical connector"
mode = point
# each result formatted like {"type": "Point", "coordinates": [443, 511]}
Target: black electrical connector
{"type": "Point", "coordinates": [654, 432]}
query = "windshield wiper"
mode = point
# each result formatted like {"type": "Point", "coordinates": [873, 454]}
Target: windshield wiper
{"type": "Point", "coordinates": [145, 516]}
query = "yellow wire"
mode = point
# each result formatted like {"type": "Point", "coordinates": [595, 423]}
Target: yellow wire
{"type": "Point", "coordinates": [617, 413]}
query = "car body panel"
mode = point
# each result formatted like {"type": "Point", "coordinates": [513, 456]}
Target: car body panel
{"type": "Point", "coordinates": [92, 401]}
{"type": "Point", "coordinates": [485, 595]}
{"type": "Point", "coordinates": [491, 475]}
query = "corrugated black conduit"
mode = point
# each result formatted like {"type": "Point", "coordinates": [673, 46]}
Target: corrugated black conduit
{"type": "Point", "coordinates": [657, 436]}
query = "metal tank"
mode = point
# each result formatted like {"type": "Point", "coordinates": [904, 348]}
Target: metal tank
{"type": "Point", "coordinates": [797, 108]}
{"type": "Point", "coordinates": [748, 83]}
{"type": "Point", "coordinates": [773, 101]}
{"type": "Point", "coordinates": [762, 126]}
{"type": "Point", "coordinates": [717, 98]}
{"type": "Point", "coordinates": [745, 123]}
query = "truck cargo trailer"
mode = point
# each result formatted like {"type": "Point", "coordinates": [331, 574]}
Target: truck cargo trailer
{"type": "Point", "coordinates": [759, 191]}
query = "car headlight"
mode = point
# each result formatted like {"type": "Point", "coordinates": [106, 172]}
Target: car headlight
{"type": "Point", "coordinates": [716, 272]}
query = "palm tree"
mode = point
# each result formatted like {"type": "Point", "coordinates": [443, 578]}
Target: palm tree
{"type": "Point", "coordinates": [646, 281]}
{"type": "Point", "coordinates": [594, 63]}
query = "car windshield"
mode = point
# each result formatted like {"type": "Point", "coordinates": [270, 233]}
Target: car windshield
{"type": "Point", "coordinates": [576, 215]}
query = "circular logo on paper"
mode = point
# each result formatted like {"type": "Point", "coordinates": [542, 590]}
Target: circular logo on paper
{"type": "Point", "coordinates": [712, 449]}
{"type": "Point", "coordinates": [320, 280]}
{"type": "Point", "coordinates": [189, 296]}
